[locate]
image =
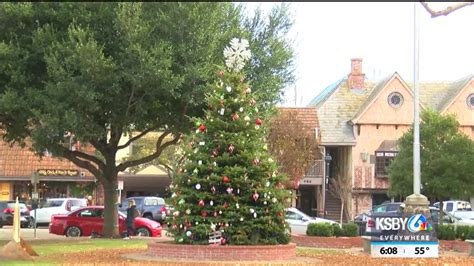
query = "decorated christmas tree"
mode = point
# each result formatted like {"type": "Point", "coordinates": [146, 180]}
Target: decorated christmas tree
{"type": "Point", "coordinates": [228, 187]}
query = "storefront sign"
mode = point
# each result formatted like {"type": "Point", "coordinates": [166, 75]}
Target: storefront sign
{"type": "Point", "coordinates": [58, 172]}
{"type": "Point", "coordinates": [404, 235]}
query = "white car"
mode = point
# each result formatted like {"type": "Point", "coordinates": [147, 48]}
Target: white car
{"type": "Point", "coordinates": [56, 206]}
{"type": "Point", "coordinates": [299, 221]}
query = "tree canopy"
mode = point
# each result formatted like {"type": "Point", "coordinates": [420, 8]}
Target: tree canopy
{"type": "Point", "coordinates": [104, 70]}
{"type": "Point", "coordinates": [446, 159]}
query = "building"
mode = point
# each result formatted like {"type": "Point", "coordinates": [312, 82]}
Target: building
{"type": "Point", "coordinates": [57, 178]}
{"type": "Point", "coordinates": [361, 120]}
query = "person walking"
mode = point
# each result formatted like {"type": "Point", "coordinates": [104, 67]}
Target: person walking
{"type": "Point", "coordinates": [132, 213]}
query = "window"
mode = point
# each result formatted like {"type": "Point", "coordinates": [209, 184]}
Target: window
{"type": "Point", "coordinates": [293, 216]}
{"type": "Point", "coordinates": [78, 203]}
{"type": "Point", "coordinates": [470, 100]}
{"type": "Point", "coordinates": [382, 161]}
{"type": "Point", "coordinates": [90, 213]}
{"type": "Point", "coordinates": [53, 203]}
{"type": "Point", "coordinates": [151, 202]}
{"type": "Point", "coordinates": [395, 99]}
{"type": "Point", "coordinates": [449, 207]}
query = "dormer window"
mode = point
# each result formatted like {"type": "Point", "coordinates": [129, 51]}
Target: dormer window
{"type": "Point", "coordinates": [395, 99]}
{"type": "Point", "coordinates": [470, 100]}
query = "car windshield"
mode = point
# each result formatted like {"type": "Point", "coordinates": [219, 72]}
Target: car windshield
{"type": "Point", "coordinates": [154, 201]}
{"type": "Point", "coordinates": [53, 203]}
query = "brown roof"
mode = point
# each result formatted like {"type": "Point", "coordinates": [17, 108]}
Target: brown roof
{"type": "Point", "coordinates": [306, 119]}
{"type": "Point", "coordinates": [16, 161]}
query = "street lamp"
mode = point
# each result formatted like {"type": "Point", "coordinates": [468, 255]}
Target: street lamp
{"type": "Point", "coordinates": [328, 160]}
{"type": "Point", "coordinates": [416, 201]}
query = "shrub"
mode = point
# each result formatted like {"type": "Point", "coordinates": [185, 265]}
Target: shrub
{"type": "Point", "coordinates": [462, 231]}
{"type": "Point", "coordinates": [470, 234]}
{"type": "Point", "coordinates": [350, 229]}
{"type": "Point", "coordinates": [446, 232]}
{"type": "Point", "coordinates": [338, 231]}
{"type": "Point", "coordinates": [320, 229]}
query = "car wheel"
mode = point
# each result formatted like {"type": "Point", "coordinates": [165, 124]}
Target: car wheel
{"type": "Point", "coordinates": [73, 231]}
{"type": "Point", "coordinates": [149, 216]}
{"type": "Point", "coordinates": [31, 224]}
{"type": "Point", "coordinates": [142, 231]}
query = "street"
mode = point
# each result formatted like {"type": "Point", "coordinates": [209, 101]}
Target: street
{"type": "Point", "coordinates": [28, 233]}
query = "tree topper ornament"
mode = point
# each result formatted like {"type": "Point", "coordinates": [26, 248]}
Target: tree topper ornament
{"type": "Point", "coordinates": [237, 54]}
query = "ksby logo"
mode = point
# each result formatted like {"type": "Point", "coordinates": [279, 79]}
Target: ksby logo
{"type": "Point", "coordinates": [418, 223]}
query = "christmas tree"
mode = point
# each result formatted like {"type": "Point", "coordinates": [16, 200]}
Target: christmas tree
{"type": "Point", "coordinates": [228, 183]}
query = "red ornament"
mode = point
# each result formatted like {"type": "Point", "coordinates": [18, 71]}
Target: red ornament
{"type": "Point", "coordinates": [226, 205]}
{"type": "Point", "coordinates": [255, 196]}
{"type": "Point", "coordinates": [256, 161]}
{"type": "Point", "coordinates": [247, 90]}
{"type": "Point", "coordinates": [220, 74]}
{"type": "Point", "coordinates": [235, 117]}
{"type": "Point", "coordinates": [223, 241]}
{"type": "Point", "coordinates": [204, 214]}
{"type": "Point", "coordinates": [180, 170]}
{"type": "Point", "coordinates": [202, 128]}
{"type": "Point", "coordinates": [231, 148]}
{"type": "Point", "coordinates": [213, 189]}
{"type": "Point", "coordinates": [215, 214]}
{"type": "Point", "coordinates": [201, 203]}
{"type": "Point", "coordinates": [258, 122]}
{"type": "Point", "coordinates": [225, 179]}
{"type": "Point", "coordinates": [252, 101]}
{"type": "Point", "coordinates": [215, 153]}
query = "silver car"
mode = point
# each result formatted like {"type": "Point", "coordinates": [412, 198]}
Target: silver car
{"type": "Point", "coordinates": [299, 221]}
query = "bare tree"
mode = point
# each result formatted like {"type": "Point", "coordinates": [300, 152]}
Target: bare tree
{"type": "Point", "coordinates": [341, 187]}
{"type": "Point", "coordinates": [293, 142]}
{"type": "Point", "coordinates": [448, 10]}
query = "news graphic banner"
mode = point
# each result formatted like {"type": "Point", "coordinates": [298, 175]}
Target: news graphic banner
{"type": "Point", "coordinates": [404, 235]}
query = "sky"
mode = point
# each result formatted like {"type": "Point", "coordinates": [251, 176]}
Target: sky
{"type": "Point", "coordinates": [326, 36]}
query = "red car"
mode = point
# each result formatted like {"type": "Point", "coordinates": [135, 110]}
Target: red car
{"type": "Point", "coordinates": [86, 220]}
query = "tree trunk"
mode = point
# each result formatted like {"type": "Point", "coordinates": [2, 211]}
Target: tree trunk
{"type": "Point", "coordinates": [342, 209]}
{"type": "Point", "coordinates": [441, 212]}
{"type": "Point", "coordinates": [110, 228]}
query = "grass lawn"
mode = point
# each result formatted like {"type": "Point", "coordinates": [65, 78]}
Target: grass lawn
{"type": "Point", "coordinates": [50, 251]}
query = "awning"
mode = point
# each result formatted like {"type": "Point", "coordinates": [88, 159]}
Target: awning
{"type": "Point", "coordinates": [388, 145]}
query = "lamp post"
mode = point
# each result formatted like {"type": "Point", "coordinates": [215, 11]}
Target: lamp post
{"type": "Point", "coordinates": [416, 202]}
{"type": "Point", "coordinates": [327, 159]}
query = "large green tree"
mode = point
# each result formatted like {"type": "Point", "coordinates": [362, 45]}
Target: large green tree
{"type": "Point", "coordinates": [447, 156]}
{"type": "Point", "coordinates": [104, 70]}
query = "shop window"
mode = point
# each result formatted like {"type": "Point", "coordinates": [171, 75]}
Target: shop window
{"type": "Point", "coordinates": [382, 162]}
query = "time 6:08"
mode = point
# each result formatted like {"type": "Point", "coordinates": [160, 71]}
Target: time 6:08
{"type": "Point", "coordinates": [389, 250]}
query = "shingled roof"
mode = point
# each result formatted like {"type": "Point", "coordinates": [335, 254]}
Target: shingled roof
{"type": "Point", "coordinates": [306, 119]}
{"type": "Point", "coordinates": [337, 105]}
{"type": "Point", "coordinates": [17, 163]}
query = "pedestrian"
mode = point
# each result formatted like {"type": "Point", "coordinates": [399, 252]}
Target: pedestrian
{"type": "Point", "coordinates": [132, 213]}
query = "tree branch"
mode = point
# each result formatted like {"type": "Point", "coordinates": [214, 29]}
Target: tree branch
{"type": "Point", "coordinates": [445, 11]}
{"type": "Point", "coordinates": [85, 156]}
{"type": "Point", "coordinates": [84, 164]}
{"type": "Point", "coordinates": [143, 133]}
{"type": "Point", "coordinates": [159, 149]}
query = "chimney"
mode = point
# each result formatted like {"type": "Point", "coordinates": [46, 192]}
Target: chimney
{"type": "Point", "coordinates": [356, 77]}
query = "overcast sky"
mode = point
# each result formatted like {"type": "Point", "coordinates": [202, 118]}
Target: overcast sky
{"type": "Point", "coordinates": [327, 35]}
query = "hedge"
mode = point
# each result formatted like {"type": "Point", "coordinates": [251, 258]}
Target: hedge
{"type": "Point", "coordinates": [326, 229]}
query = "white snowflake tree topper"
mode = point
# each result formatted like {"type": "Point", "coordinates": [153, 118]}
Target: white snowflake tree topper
{"type": "Point", "coordinates": [237, 54]}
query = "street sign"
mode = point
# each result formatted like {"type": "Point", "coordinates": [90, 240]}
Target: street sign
{"type": "Point", "coordinates": [34, 178]}
{"type": "Point", "coordinates": [34, 195]}
{"type": "Point", "coordinates": [120, 185]}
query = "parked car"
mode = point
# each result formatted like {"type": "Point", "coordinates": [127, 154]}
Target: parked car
{"type": "Point", "coordinates": [7, 209]}
{"type": "Point", "coordinates": [153, 208]}
{"type": "Point", "coordinates": [434, 212]}
{"type": "Point", "coordinates": [299, 221]}
{"type": "Point", "coordinates": [382, 208]}
{"type": "Point", "coordinates": [56, 206]}
{"type": "Point", "coordinates": [88, 220]}
{"type": "Point", "coordinates": [458, 208]}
